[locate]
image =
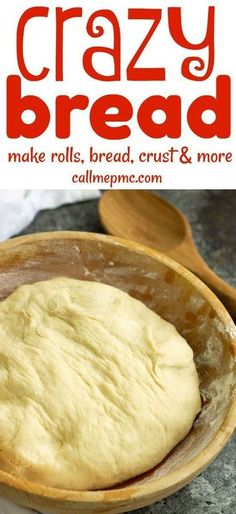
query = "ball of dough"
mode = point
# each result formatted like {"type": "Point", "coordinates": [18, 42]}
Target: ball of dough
{"type": "Point", "coordinates": [95, 388]}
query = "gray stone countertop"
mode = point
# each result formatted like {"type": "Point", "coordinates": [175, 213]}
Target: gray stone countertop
{"type": "Point", "coordinates": [213, 219]}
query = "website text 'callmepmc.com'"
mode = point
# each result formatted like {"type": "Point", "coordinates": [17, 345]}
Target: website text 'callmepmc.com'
{"type": "Point", "coordinates": [111, 180]}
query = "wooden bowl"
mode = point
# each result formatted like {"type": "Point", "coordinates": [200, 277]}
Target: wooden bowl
{"type": "Point", "coordinates": [178, 296]}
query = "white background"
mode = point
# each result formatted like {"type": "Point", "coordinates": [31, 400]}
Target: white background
{"type": "Point", "coordinates": [161, 52]}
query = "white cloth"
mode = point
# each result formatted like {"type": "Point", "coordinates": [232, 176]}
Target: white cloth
{"type": "Point", "coordinates": [18, 208]}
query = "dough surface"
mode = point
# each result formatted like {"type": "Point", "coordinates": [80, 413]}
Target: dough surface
{"type": "Point", "coordinates": [95, 388]}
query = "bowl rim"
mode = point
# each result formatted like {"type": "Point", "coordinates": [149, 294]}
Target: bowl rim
{"type": "Point", "coordinates": [175, 479]}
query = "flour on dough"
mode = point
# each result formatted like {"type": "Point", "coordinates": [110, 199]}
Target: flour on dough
{"type": "Point", "coordinates": [95, 388]}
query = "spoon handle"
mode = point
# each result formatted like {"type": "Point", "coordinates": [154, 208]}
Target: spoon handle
{"type": "Point", "coordinates": [225, 292]}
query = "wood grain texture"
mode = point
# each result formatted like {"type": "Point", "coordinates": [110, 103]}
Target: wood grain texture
{"type": "Point", "coordinates": [150, 220]}
{"type": "Point", "coordinates": [178, 296]}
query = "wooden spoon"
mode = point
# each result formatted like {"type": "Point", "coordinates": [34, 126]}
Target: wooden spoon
{"type": "Point", "coordinates": [150, 220]}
